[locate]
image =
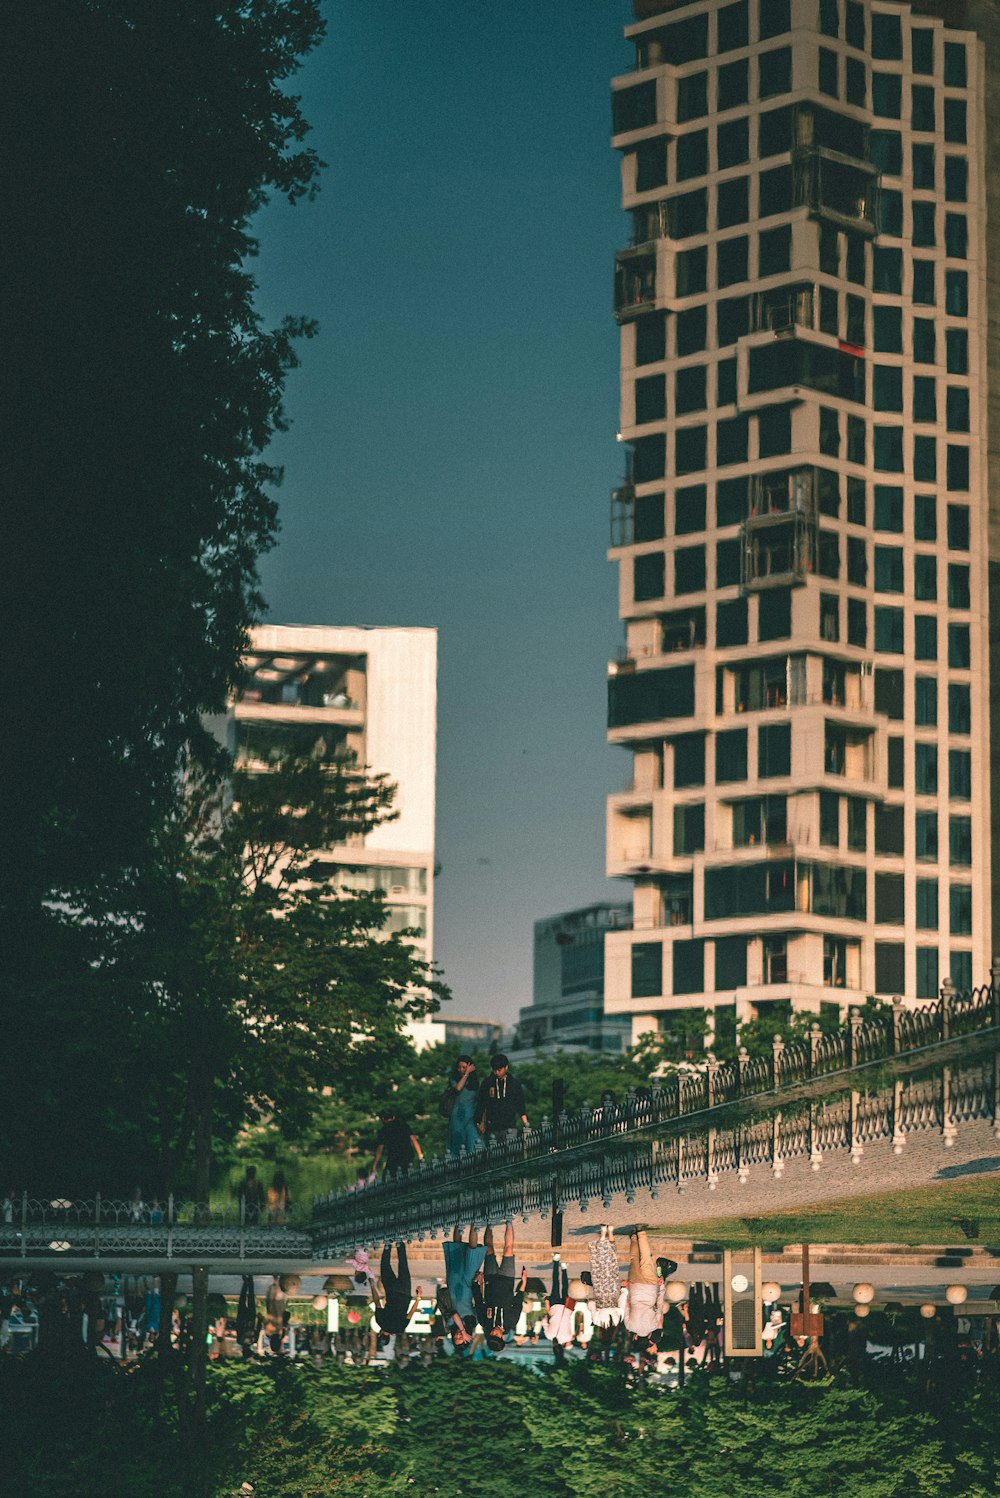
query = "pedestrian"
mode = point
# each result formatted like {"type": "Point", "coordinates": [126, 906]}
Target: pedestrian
{"type": "Point", "coordinates": [397, 1142]}
{"type": "Point", "coordinates": [250, 1195]}
{"type": "Point", "coordinates": [644, 1304]}
{"type": "Point", "coordinates": [500, 1104]}
{"type": "Point", "coordinates": [279, 1198]}
{"type": "Point", "coordinates": [463, 1085]}
{"type": "Point", "coordinates": [462, 1263]}
{"type": "Point", "coordinates": [610, 1295]}
{"type": "Point", "coordinates": [393, 1314]}
{"type": "Point", "coordinates": [559, 1308]}
{"type": "Point", "coordinates": [497, 1299]}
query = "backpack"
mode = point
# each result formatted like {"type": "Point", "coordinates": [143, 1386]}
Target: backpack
{"type": "Point", "coordinates": [446, 1102]}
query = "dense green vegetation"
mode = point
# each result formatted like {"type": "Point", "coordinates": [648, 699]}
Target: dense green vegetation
{"type": "Point", "coordinates": [492, 1430]}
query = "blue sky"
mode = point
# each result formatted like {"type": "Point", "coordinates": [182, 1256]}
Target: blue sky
{"type": "Point", "coordinates": [453, 425]}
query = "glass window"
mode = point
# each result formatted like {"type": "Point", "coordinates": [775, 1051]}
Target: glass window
{"type": "Point", "coordinates": [954, 65]}
{"type": "Point", "coordinates": [727, 564]}
{"type": "Point", "coordinates": [957, 408]}
{"type": "Point", "coordinates": [732, 319]}
{"type": "Point", "coordinates": [887, 270]}
{"type": "Point", "coordinates": [922, 44]}
{"type": "Point", "coordinates": [890, 967]}
{"type": "Point", "coordinates": [647, 969]}
{"type": "Point", "coordinates": [731, 756]}
{"type": "Point", "coordinates": [889, 631]}
{"type": "Point", "coordinates": [775, 18]}
{"type": "Point", "coordinates": [958, 586]}
{"type": "Point", "coordinates": [924, 342]}
{"type": "Point", "coordinates": [889, 829]}
{"type": "Point", "coordinates": [692, 333]}
{"type": "Point", "coordinates": [775, 193]}
{"type": "Point", "coordinates": [959, 708]}
{"type": "Point", "coordinates": [959, 658]}
{"type": "Point", "coordinates": [887, 95]}
{"type": "Point", "coordinates": [829, 819]}
{"type": "Point", "coordinates": [922, 108]}
{"type": "Point", "coordinates": [774, 431]}
{"type": "Point", "coordinates": [925, 702]}
{"type": "Point", "coordinates": [889, 902]}
{"type": "Point", "coordinates": [925, 826]}
{"type": "Point", "coordinates": [692, 271]}
{"type": "Point", "coordinates": [692, 97]}
{"type": "Point", "coordinates": [959, 774]}
{"type": "Point", "coordinates": [924, 398]}
{"type": "Point", "coordinates": [888, 507]}
{"type": "Point", "coordinates": [725, 382]}
{"type": "Point", "coordinates": [689, 829]}
{"type": "Point", "coordinates": [774, 750]}
{"type": "Point", "coordinates": [775, 68]}
{"type": "Point", "coordinates": [889, 693]}
{"type": "Point", "coordinates": [650, 399]}
{"type": "Point", "coordinates": [927, 904]}
{"type": "Point", "coordinates": [774, 614]}
{"type": "Point", "coordinates": [689, 760]}
{"type": "Point", "coordinates": [954, 122]}
{"type": "Point", "coordinates": [886, 151]}
{"type": "Point", "coordinates": [828, 72]}
{"type": "Point", "coordinates": [734, 31]}
{"type": "Point", "coordinates": [856, 440]}
{"type": "Point", "coordinates": [857, 824]}
{"type": "Point", "coordinates": [829, 319]}
{"type": "Point", "coordinates": [731, 622]}
{"type": "Point", "coordinates": [731, 501]}
{"type": "Point", "coordinates": [829, 18]}
{"type": "Point", "coordinates": [956, 236]}
{"type": "Point", "coordinates": [923, 168]}
{"type": "Point", "coordinates": [774, 251]}
{"type": "Point", "coordinates": [925, 769]}
{"type": "Point", "coordinates": [730, 962]}
{"type": "Point", "coordinates": [651, 338]}
{"type": "Point", "coordinates": [927, 973]}
{"type": "Point", "coordinates": [958, 528]}
{"type": "Point", "coordinates": [731, 441]}
{"type": "Point", "coordinates": [775, 132]}
{"type": "Point", "coordinates": [733, 84]}
{"type": "Point", "coordinates": [925, 577]}
{"type": "Point", "coordinates": [648, 577]}
{"type": "Point", "coordinates": [895, 763]}
{"type": "Point", "coordinates": [689, 569]}
{"type": "Point", "coordinates": [888, 450]}
{"type": "Point", "coordinates": [733, 143]}
{"type": "Point", "coordinates": [923, 282]}
{"type": "Point", "coordinates": [960, 909]}
{"type": "Point", "coordinates": [887, 387]}
{"type": "Point", "coordinates": [857, 86]}
{"type": "Point", "coordinates": [732, 260]}
{"type": "Point", "coordinates": [857, 561]}
{"type": "Point", "coordinates": [857, 622]}
{"type": "Point", "coordinates": [690, 449]}
{"type": "Point", "coordinates": [960, 842]}
{"type": "Point", "coordinates": [887, 326]}
{"type": "Point", "coordinates": [689, 391]}
{"type": "Point", "coordinates": [924, 215]}
{"type": "Point", "coordinates": [961, 970]}
{"type": "Point", "coordinates": [733, 203]}
{"type": "Point", "coordinates": [891, 212]}
{"type": "Point", "coordinates": [689, 509]}
{"type": "Point", "coordinates": [925, 637]}
{"type": "Point", "coordinates": [958, 467]}
{"type": "Point", "coordinates": [956, 293]}
{"type": "Point", "coordinates": [887, 36]}
{"type": "Point", "coordinates": [956, 179]}
{"type": "Point", "coordinates": [692, 155]}
{"type": "Point", "coordinates": [925, 517]}
{"type": "Point", "coordinates": [924, 460]}
{"type": "Point", "coordinates": [857, 508]}
{"type": "Point", "coordinates": [854, 24]}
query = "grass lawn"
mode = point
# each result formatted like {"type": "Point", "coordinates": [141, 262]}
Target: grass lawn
{"type": "Point", "coordinates": [928, 1215]}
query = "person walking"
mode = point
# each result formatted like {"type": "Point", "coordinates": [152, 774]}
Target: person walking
{"type": "Point", "coordinates": [498, 1300]}
{"type": "Point", "coordinates": [250, 1195]}
{"type": "Point", "coordinates": [463, 1085]}
{"type": "Point", "coordinates": [397, 1142]}
{"type": "Point", "coordinates": [392, 1315]}
{"type": "Point", "coordinates": [500, 1104]}
{"type": "Point", "coordinates": [279, 1198]}
{"type": "Point", "coordinates": [644, 1305]}
{"type": "Point", "coordinates": [559, 1308]}
{"type": "Point", "coordinates": [610, 1295]}
{"type": "Point", "coordinates": [462, 1263]}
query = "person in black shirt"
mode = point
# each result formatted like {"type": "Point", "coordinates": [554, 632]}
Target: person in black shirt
{"type": "Point", "coordinates": [397, 1142]}
{"type": "Point", "coordinates": [393, 1315]}
{"type": "Point", "coordinates": [497, 1301]}
{"type": "Point", "coordinates": [500, 1104]}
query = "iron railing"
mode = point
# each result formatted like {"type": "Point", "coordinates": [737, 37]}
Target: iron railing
{"type": "Point", "coordinates": [103, 1227]}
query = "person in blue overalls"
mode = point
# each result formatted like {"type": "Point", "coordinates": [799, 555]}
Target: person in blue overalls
{"type": "Point", "coordinates": [462, 1132]}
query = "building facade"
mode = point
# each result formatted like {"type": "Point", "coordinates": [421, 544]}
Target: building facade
{"type": "Point", "coordinates": [803, 529]}
{"type": "Point", "coordinates": [370, 694]}
{"type": "Point", "coordinates": [567, 1008]}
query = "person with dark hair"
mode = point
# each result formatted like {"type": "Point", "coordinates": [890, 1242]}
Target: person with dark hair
{"type": "Point", "coordinates": [250, 1194]}
{"type": "Point", "coordinates": [462, 1263]}
{"type": "Point", "coordinates": [279, 1198]}
{"type": "Point", "coordinates": [397, 1141]}
{"type": "Point", "coordinates": [644, 1307]}
{"type": "Point", "coordinates": [498, 1302]}
{"type": "Point", "coordinates": [392, 1315]}
{"type": "Point", "coordinates": [500, 1104]}
{"type": "Point", "coordinates": [463, 1085]}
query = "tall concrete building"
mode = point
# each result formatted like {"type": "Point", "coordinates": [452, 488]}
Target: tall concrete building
{"type": "Point", "coordinates": [803, 530]}
{"type": "Point", "coordinates": [567, 1004]}
{"type": "Point", "coordinates": [370, 693]}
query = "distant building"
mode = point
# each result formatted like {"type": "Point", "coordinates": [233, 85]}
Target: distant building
{"type": "Point", "coordinates": [443, 1029]}
{"type": "Point", "coordinates": [370, 693]}
{"type": "Point", "coordinates": [567, 1008]}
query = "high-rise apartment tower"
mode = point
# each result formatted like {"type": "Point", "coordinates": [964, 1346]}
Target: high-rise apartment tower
{"type": "Point", "coordinates": [803, 530]}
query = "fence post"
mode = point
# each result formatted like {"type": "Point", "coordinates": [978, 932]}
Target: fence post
{"type": "Point", "coordinates": [777, 1046]}
{"type": "Point", "coordinates": [777, 1164]}
{"type": "Point", "coordinates": [948, 1130]}
{"type": "Point", "coordinates": [897, 1024]}
{"type": "Point", "coordinates": [854, 1029]}
{"type": "Point", "coordinates": [947, 999]}
{"type": "Point", "coordinates": [97, 1225]}
{"type": "Point", "coordinates": [995, 992]}
{"type": "Point", "coordinates": [711, 1072]}
{"type": "Point", "coordinates": [243, 1227]}
{"type": "Point", "coordinates": [815, 1153]}
{"type": "Point", "coordinates": [996, 1094]}
{"type": "Point", "coordinates": [170, 1225]}
{"type": "Point", "coordinates": [24, 1224]}
{"type": "Point", "coordinates": [898, 1136]}
{"type": "Point", "coordinates": [815, 1035]}
{"type": "Point", "coordinates": [742, 1060]}
{"type": "Point", "coordinates": [854, 1128]}
{"type": "Point", "coordinates": [711, 1175]}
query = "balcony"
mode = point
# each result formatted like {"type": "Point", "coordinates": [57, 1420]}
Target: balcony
{"type": "Point", "coordinates": [836, 188]}
{"type": "Point", "coordinates": [782, 310]}
{"type": "Point", "coordinates": [779, 554]}
{"type": "Point", "coordinates": [635, 284]}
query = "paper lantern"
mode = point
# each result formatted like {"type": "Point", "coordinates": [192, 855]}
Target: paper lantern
{"type": "Point", "coordinates": [864, 1294]}
{"type": "Point", "coordinates": [956, 1295]}
{"type": "Point", "coordinates": [770, 1292]}
{"type": "Point", "coordinates": [862, 1310]}
{"type": "Point", "coordinates": [740, 1283]}
{"type": "Point", "coordinates": [290, 1283]}
{"type": "Point", "coordinates": [354, 1317]}
{"type": "Point", "coordinates": [676, 1292]}
{"type": "Point", "coordinates": [319, 1302]}
{"type": "Point", "coordinates": [928, 1312]}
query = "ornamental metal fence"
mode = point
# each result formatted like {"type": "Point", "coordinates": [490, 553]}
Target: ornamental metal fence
{"type": "Point", "coordinates": [105, 1227]}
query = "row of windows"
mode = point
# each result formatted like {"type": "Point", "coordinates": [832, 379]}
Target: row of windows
{"type": "Point", "coordinates": [890, 904]}
{"type": "Point", "coordinates": [841, 316]}
{"type": "Point", "coordinates": [888, 39]}
{"type": "Point", "coordinates": [688, 40]}
{"type": "Point", "coordinates": [773, 425]}
{"type": "Point", "coordinates": [788, 490]}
